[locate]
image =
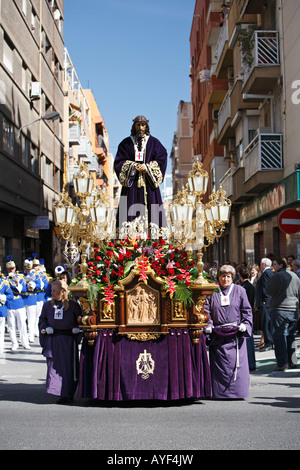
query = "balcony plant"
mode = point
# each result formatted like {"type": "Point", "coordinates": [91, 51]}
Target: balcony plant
{"type": "Point", "coordinates": [246, 41]}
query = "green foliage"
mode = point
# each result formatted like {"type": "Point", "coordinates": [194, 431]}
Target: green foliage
{"type": "Point", "coordinates": [183, 294]}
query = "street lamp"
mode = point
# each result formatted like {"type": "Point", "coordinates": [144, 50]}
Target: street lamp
{"type": "Point", "coordinates": [90, 222]}
{"type": "Point", "coordinates": [207, 221]}
{"type": "Point", "coordinates": [52, 116]}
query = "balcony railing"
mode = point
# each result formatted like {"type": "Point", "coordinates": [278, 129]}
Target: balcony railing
{"type": "Point", "coordinates": [223, 37]}
{"type": "Point", "coordinates": [84, 149]}
{"type": "Point", "coordinates": [74, 133]}
{"type": "Point", "coordinates": [227, 182]}
{"type": "Point", "coordinates": [224, 112]}
{"type": "Point", "coordinates": [264, 53]}
{"type": "Point", "coordinates": [263, 153]}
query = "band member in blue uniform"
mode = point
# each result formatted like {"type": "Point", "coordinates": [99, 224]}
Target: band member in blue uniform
{"type": "Point", "coordinates": [16, 318]}
{"type": "Point", "coordinates": [5, 295]}
{"type": "Point", "coordinates": [33, 285]}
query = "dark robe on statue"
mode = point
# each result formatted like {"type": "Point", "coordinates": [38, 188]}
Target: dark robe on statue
{"type": "Point", "coordinates": [132, 200]}
{"type": "Point", "coordinates": [60, 348]}
{"type": "Point", "coordinates": [227, 345]}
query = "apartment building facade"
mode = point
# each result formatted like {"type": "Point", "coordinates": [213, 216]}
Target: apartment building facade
{"type": "Point", "coordinates": [255, 52]}
{"type": "Point", "coordinates": [48, 126]}
{"type": "Point", "coordinates": [182, 149]}
{"type": "Point", "coordinates": [31, 145]}
{"type": "Point", "coordinates": [85, 134]}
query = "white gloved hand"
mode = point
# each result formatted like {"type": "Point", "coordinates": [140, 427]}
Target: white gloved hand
{"type": "Point", "coordinates": [208, 330]}
{"type": "Point", "coordinates": [2, 298]}
{"type": "Point", "coordinates": [31, 285]}
{"type": "Point", "coordinates": [242, 328]}
{"type": "Point", "coordinates": [49, 330]}
{"type": "Point", "coordinates": [75, 331]}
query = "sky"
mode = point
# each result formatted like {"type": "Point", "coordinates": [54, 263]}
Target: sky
{"type": "Point", "coordinates": [135, 57]}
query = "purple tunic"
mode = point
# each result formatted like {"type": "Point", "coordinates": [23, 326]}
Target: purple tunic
{"type": "Point", "coordinates": [132, 200]}
{"type": "Point", "coordinates": [227, 346]}
{"type": "Point", "coordinates": [60, 348]}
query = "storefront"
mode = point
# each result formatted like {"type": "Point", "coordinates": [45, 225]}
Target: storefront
{"type": "Point", "coordinates": [259, 222]}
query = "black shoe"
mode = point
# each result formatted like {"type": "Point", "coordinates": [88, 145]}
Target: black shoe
{"type": "Point", "coordinates": [293, 366]}
{"type": "Point", "coordinates": [267, 347]}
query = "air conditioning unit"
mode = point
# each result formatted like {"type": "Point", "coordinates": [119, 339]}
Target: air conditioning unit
{"type": "Point", "coordinates": [35, 91]}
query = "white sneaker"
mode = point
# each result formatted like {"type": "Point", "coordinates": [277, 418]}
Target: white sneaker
{"type": "Point", "coordinates": [14, 348]}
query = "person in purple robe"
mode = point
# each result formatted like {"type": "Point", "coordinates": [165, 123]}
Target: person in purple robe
{"type": "Point", "coordinates": [140, 165]}
{"type": "Point", "coordinates": [59, 338]}
{"type": "Point", "coordinates": [230, 323]}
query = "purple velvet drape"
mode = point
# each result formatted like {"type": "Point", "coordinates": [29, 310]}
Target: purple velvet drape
{"type": "Point", "coordinates": [108, 371]}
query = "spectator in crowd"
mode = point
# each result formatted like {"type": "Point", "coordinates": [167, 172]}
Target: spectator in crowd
{"type": "Point", "coordinates": [257, 320]}
{"type": "Point", "coordinates": [296, 267]}
{"type": "Point", "coordinates": [244, 274]}
{"type": "Point", "coordinates": [230, 323]}
{"type": "Point", "coordinates": [284, 290]}
{"type": "Point", "coordinates": [262, 302]}
{"type": "Point", "coordinates": [223, 13]}
{"type": "Point", "coordinates": [65, 276]}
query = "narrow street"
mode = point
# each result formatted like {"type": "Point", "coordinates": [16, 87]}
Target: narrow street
{"type": "Point", "coordinates": [31, 420]}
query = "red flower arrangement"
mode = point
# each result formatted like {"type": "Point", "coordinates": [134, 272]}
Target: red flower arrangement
{"type": "Point", "coordinates": [114, 260]}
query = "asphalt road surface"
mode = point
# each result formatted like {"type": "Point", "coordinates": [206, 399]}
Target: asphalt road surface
{"type": "Point", "coordinates": [31, 420]}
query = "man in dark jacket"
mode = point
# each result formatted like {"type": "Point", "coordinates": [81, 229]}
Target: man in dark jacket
{"type": "Point", "coordinates": [262, 301]}
{"type": "Point", "coordinates": [284, 289]}
{"type": "Point", "coordinates": [244, 275]}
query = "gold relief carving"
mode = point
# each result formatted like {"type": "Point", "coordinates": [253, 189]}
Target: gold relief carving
{"type": "Point", "coordinates": [84, 304]}
{"type": "Point", "coordinates": [178, 311]}
{"type": "Point", "coordinates": [107, 312]}
{"type": "Point", "coordinates": [143, 306]}
{"type": "Point", "coordinates": [143, 336]}
{"type": "Point", "coordinates": [200, 303]}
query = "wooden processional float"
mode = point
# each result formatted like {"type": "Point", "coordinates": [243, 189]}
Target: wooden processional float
{"type": "Point", "coordinates": [143, 311]}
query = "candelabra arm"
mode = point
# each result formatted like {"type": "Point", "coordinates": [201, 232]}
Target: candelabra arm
{"type": "Point", "coordinates": [200, 279]}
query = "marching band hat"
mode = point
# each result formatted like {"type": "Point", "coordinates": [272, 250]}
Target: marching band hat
{"type": "Point", "coordinates": [58, 270]}
{"type": "Point", "coordinates": [28, 264]}
{"type": "Point", "coordinates": [10, 263]}
{"type": "Point", "coordinates": [140, 119]}
{"type": "Point", "coordinates": [35, 260]}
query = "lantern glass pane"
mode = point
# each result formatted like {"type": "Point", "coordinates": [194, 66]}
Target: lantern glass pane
{"type": "Point", "coordinates": [215, 213]}
{"type": "Point", "coordinates": [101, 214]}
{"type": "Point", "coordinates": [224, 212]}
{"type": "Point", "coordinates": [60, 213]}
{"type": "Point", "coordinates": [208, 214]}
{"type": "Point", "coordinates": [198, 183]}
{"type": "Point", "coordinates": [190, 183]}
{"type": "Point", "coordinates": [70, 214]}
